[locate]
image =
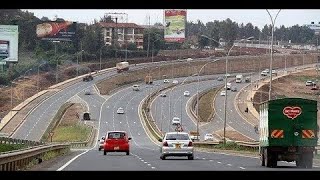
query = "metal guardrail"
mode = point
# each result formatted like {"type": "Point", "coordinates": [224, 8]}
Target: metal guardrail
{"type": "Point", "coordinates": [7, 140]}
{"type": "Point", "coordinates": [17, 160]}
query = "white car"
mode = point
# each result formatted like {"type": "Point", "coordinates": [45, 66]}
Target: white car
{"type": "Point", "coordinates": [309, 83]}
{"type": "Point", "coordinates": [223, 93]}
{"type": "Point", "coordinates": [135, 87]}
{"type": "Point", "coordinates": [264, 73]}
{"type": "Point", "coordinates": [186, 93]}
{"type": "Point", "coordinates": [176, 144]}
{"type": "Point", "coordinates": [120, 110]}
{"type": "Point", "coordinates": [208, 137]}
{"type": "Point", "coordinates": [175, 81]}
{"type": "Point", "coordinates": [176, 121]}
{"type": "Point", "coordinates": [165, 81]}
{"type": "Point", "coordinates": [101, 143]}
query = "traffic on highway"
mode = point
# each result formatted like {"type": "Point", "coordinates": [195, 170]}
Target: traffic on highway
{"type": "Point", "coordinates": [117, 95]}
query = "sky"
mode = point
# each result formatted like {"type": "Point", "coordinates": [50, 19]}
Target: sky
{"type": "Point", "coordinates": [258, 17]}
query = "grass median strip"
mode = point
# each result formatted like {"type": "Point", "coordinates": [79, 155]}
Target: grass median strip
{"type": "Point", "coordinates": [206, 109]}
{"type": "Point", "coordinates": [70, 128]}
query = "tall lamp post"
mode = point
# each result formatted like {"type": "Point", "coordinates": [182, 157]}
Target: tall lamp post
{"type": "Point", "coordinates": [272, 22]}
{"type": "Point", "coordinates": [57, 68]}
{"type": "Point", "coordinates": [38, 77]}
{"type": "Point", "coordinates": [226, 81]}
{"type": "Point", "coordinates": [24, 84]}
{"type": "Point", "coordinates": [100, 55]}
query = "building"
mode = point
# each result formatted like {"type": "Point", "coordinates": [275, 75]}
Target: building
{"type": "Point", "coordinates": [315, 27]}
{"type": "Point", "coordinates": [126, 33]}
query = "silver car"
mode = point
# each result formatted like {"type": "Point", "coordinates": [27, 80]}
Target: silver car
{"type": "Point", "coordinates": [176, 144]}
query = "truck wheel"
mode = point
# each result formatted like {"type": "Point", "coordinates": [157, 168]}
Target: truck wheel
{"type": "Point", "coordinates": [268, 158]}
{"type": "Point", "coordinates": [127, 153]}
{"type": "Point", "coordinates": [104, 152]}
{"type": "Point", "coordinates": [308, 160]}
{"type": "Point", "coordinates": [262, 159]}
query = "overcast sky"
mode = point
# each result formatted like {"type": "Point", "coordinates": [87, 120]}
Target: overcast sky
{"type": "Point", "coordinates": [259, 17]}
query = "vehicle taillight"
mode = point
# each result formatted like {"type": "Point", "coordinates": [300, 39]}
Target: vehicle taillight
{"type": "Point", "coordinates": [190, 143]}
{"type": "Point", "coordinates": [165, 143]}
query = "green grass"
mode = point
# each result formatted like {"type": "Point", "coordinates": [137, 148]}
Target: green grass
{"type": "Point", "coordinates": [205, 105]}
{"type": "Point", "coordinates": [11, 147]}
{"type": "Point", "coordinates": [304, 78]}
{"type": "Point", "coordinates": [71, 133]}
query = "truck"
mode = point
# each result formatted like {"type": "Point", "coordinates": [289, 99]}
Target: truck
{"type": "Point", "coordinates": [239, 78]}
{"type": "Point", "coordinates": [288, 131]}
{"type": "Point", "coordinates": [148, 79]}
{"type": "Point", "coordinates": [122, 66]}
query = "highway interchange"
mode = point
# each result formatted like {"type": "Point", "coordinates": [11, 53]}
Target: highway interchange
{"type": "Point", "coordinates": [144, 152]}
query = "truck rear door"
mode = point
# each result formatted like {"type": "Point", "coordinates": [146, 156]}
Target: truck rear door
{"type": "Point", "coordinates": [294, 122]}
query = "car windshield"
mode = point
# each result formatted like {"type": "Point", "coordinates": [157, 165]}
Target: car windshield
{"type": "Point", "coordinates": [116, 135]}
{"type": "Point", "coordinates": [177, 136]}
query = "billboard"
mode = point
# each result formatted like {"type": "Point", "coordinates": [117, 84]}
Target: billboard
{"type": "Point", "coordinates": [8, 43]}
{"type": "Point", "coordinates": [56, 31]}
{"type": "Point", "coordinates": [175, 23]}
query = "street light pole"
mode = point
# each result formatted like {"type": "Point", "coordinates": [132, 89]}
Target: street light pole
{"type": "Point", "coordinates": [55, 54]}
{"type": "Point", "coordinates": [272, 31]}
{"type": "Point", "coordinates": [38, 78]}
{"type": "Point", "coordinates": [23, 85]}
{"type": "Point", "coordinates": [226, 90]}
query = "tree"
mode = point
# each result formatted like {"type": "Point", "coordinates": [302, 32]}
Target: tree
{"type": "Point", "coordinates": [203, 42]}
{"type": "Point", "coordinates": [106, 19]}
{"type": "Point", "coordinates": [132, 46]}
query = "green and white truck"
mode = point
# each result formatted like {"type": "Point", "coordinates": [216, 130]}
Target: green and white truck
{"type": "Point", "coordinates": [288, 131]}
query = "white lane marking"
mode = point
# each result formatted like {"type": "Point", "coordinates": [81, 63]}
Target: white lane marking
{"type": "Point", "coordinates": [218, 162]}
{"type": "Point", "coordinates": [153, 167]}
{"type": "Point", "coordinates": [142, 160]}
{"type": "Point", "coordinates": [69, 162]}
{"type": "Point", "coordinates": [134, 122]}
{"type": "Point", "coordinates": [229, 164]}
{"type": "Point", "coordinates": [94, 105]}
{"type": "Point", "coordinates": [211, 160]}
{"type": "Point", "coordinates": [145, 162]}
{"type": "Point", "coordinates": [149, 164]}
{"type": "Point", "coordinates": [120, 122]}
{"type": "Point", "coordinates": [237, 155]}
{"type": "Point", "coordinates": [106, 122]}
{"type": "Point", "coordinates": [242, 167]}
{"type": "Point", "coordinates": [203, 158]}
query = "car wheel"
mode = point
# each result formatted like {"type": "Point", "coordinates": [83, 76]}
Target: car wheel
{"type": "Point", "coordinates": [190, 157]}
{"type": "Point", "coordinates": [104, 152]}
{"type": "Point", "coordinates": [162, 157]}
{"type": "Point", "coordinates": [127, 153]}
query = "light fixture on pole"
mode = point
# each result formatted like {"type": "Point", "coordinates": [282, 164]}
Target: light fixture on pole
{"type": "Point", "coordinates": [272, 31]}
{"type": "Point", "coordinates": [226, 90]}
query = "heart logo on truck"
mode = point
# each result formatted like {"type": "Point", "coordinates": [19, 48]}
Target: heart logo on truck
{"type": "Point", "coordinates": [292, 112]}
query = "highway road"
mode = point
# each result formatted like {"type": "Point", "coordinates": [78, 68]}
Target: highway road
{"type": "Point", "coordinates": [163, 109]}
{"type": "Point", "coordinates": [234, 120]}
{"type": "Point", "coordinates": [144, 153]}
{"type": "Point", "coordinates": [39, 119]}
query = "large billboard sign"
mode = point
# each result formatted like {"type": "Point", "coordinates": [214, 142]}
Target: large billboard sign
{"type": "Point", "coordinates": [56, 31]}
{"type": "Point", "coordinates": [175, 24]}
{"type": "Point", "coordinates": [8, 43]}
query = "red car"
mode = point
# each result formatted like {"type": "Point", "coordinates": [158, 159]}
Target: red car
{"type": "Point", "coordinates": [116, 141]}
